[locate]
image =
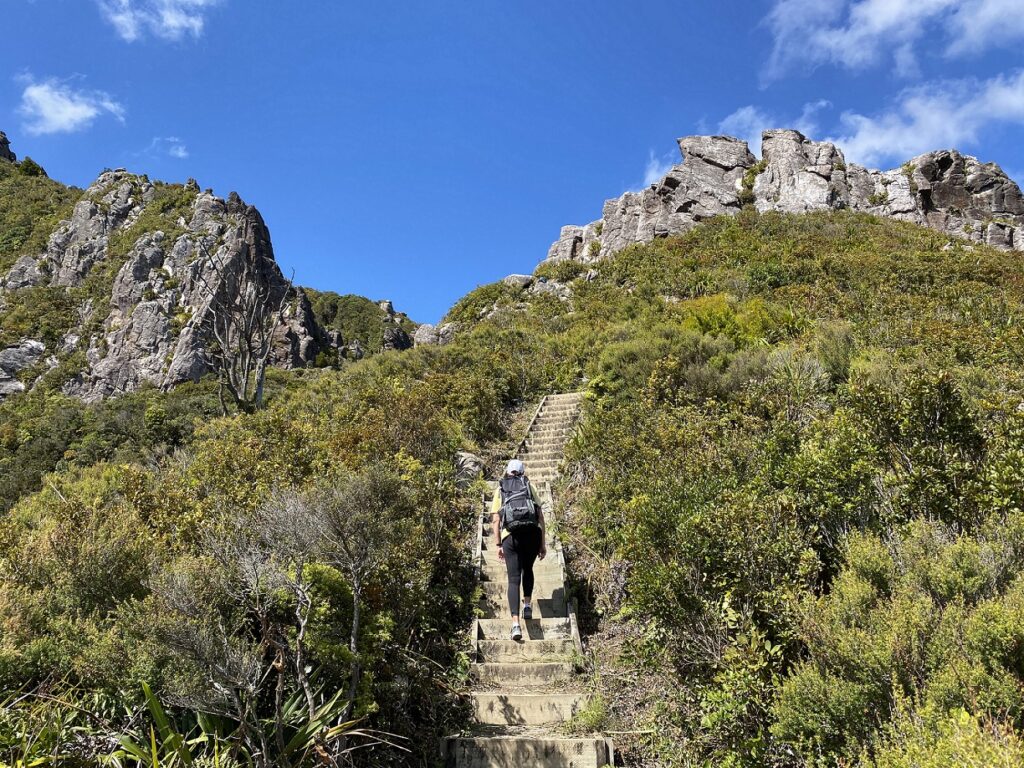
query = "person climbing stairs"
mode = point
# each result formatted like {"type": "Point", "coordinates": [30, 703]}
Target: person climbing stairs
{"type": "Point", "coordinates": [525, 691]}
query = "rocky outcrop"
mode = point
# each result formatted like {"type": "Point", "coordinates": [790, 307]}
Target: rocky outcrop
{"type": "Point", "coordinates": [706, 184]}
{"type": "Point", "coordinates": [5, 149]}
{"type": "Point", "coordinates": [944, 190]}
{"type": "Point", "coordinates": [14, 360]}
{"type": "Point", "coordinates": [427, 334]}
{"type": "Point", "coordinates": [165, 279]}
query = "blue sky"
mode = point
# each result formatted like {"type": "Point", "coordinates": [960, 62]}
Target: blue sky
{"type": "Point", "coordinates": [413, 150]}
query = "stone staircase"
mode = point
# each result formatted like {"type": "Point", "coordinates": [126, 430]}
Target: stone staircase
{"type": "Point", "coordinates": [525, 691]}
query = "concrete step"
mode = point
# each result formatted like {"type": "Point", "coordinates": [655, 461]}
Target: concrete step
{"type": "Point", "coordinates": [541, 454]}
{"type": "Point", "coordinates": [543, 589]}
{"type": "Point", "coordinates": [542, 751]}
{"type": "Point", "coordinates": [546, 571]}
{"type": "Point", "coordinates": [536, 629]}
{"type": "Point", "coordinates": [493, 606]}
{"type": "Point", "coordinates": [536, 463]}
{"type": "Point", "coordinates": [520, 673]}
{"type": "Point", "coordinates": [545, 708]}
{"type": "Point", "coordinates": [503, 651]}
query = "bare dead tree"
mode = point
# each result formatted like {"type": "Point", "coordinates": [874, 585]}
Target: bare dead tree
{"type": "Point", "coordinates": [361, 516]}
{"type": "Point", "coordinates": [247, 307]}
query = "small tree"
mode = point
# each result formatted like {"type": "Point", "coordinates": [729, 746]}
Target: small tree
{"type": "Point", "coordinates": [361, 516]}
{"type": "Point", "coordinates": [247, 306]}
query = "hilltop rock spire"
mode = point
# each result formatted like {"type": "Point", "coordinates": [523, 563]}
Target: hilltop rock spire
{"type": "Point", "coordinates": [5, 149]}
{"type": "Point", "coordinates": [944, 190]}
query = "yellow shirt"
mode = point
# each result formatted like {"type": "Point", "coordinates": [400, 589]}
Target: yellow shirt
{"type": "Point", "coordinates": [496, 504]}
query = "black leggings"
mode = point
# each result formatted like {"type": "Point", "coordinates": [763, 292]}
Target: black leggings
{"type": "Point", "coordinates": [521, 549]}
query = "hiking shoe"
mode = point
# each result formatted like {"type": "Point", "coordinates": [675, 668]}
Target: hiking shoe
{"type": "Point", "coordinates": [517, 633]}
{"type": "Point", "coordinates": [527, 612]}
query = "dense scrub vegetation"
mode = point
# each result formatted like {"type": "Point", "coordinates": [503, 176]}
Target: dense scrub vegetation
{"type": "Point", "coordinates": [793, 512]}
{"type": "Point", "coordinates": [31, 206]}
{"type": "Point", "coordinates": [356, 318]}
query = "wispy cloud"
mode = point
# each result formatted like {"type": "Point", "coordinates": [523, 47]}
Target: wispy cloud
{"type": "Point", "coordinates": [937, 115]}
{"type": "Point", "coordinates": [170, 146]}
{"type": "Point", "coordinates": [749, 121]}
{"type": "Point", "coordinates": [53, 106]}
{"type": "Point", "coordinates": [656, 168]}
{"type": "Point", "coordinates": [165, 19]}
{"type": "Point", "coordinates": [859, 33]}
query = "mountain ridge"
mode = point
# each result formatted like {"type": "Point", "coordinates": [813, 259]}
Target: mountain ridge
{"type": "Point", "coordinates": [121, 294]}
{"type": "Point", "coordinates": [942, 189]}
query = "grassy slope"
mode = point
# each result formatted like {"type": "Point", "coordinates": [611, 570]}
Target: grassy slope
{"type": "Point", "coordinates": [760, 388]}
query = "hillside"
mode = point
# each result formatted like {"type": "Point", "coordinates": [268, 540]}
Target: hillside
{"type": "Point", "coordinates": [792, 512]}
{"type": "Point", "coordinates": [112, 288]}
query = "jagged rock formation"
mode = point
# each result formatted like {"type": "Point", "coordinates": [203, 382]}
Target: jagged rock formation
{"type": "Point", "coordinates": [943, 190]}
{"type": "Point", "coordinates": [146, 294]}
{"type": "Point", "coordinates": [428, 334]}
{"type": "Point", "coordinates": [5, 149]}
{"type": "Point", "coordinates": [146, 265]}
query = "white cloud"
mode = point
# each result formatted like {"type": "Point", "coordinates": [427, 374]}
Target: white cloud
{"type": "Point", "coordinates": [656, 168]}
{"type": "Point", "coordinates": [166, 19]}
{"type": "Point", "coordinates": [171, 146]}
{"type": "Point", "coordinates": [860, 33]}
{"type": "Point", "coordinates": [748, 122]}
{"type": "Point", "coordinates": [52, 106]}
{"type": "Point", "coordinates": [936, 115]}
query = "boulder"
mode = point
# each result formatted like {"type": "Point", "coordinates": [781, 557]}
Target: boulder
{"type": "Point", "coordinates": [5, 149]}
{"type": "Point", "coordinates": [517, 281]}
{"type": "Point", "coordinates": [425, 335]}
{"type": "Point", "coordinates": [23, 274]}
{"type": "Point", "coordinates": [446, 333]}
{"type": "Point", "coordinates": [13, 360]}
{"type": "Point", "coordinates": [395, 338]}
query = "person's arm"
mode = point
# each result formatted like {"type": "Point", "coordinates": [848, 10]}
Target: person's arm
{"type": "Point", "coordinates": [543, 535]}
{"type": "Point", "coordinates": [496, 514]}
{"type": "Point", "coordinates": [540, 521]}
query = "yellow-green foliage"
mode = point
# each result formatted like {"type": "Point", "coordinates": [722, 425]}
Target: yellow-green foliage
{"type": "Point", "coordinates": [31, 206]}
{"type": "Point", "coordinates": [795, 495]}
{"type": "Point", "coordinates": [957, 738]}
{"type": "Point", "coordinates": [355, 317]}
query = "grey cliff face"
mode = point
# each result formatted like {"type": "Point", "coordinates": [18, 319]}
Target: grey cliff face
{"type": "Point", "coordinates": [706, 184]}
{"type": "Point", "coordinates": [944, 190]}
{"type": "Point", "coordinates": [14, 360]}
{"type": "Point", "coordinates": [5, 149]}
{"type": "Point", "coordinates": [154, 325]}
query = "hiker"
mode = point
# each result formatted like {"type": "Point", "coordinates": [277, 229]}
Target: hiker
{"type": "Point", "coordinates": [519, 537]}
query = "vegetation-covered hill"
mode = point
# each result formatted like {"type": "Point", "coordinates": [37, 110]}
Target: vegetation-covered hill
{"type": "Point", "coordinates": [793, 513]}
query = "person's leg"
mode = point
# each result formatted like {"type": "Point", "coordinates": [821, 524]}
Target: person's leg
{"type": "Point", "coordinates": [528, 547]}
{"type": "Point", "coordinates": [508, 546]}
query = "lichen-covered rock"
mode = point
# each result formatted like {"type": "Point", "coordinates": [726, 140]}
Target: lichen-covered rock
{"type": "Point", "coordinates": [945, 190]}
{"type": "Point", "coordinates": [425, 335]}
{"type": "Point", "coordinates": [13, 360]}
{"type": "Point", "coordinates": [23, 274]}
{"type": "Point", "coordinates": [517, 281]}
{"type": "Point", "coordinates": [154, 326]}
{"type": "Point", "coordinates": [395, 338]}
{"type": "Point", "coordinates": [799, 175]}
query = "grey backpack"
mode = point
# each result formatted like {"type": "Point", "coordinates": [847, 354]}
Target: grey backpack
{"type": "Point", "coordinates": [517, 508]}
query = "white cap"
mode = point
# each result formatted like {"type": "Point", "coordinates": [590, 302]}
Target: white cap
{"type": "Point", "coordinates": [515, 467]}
